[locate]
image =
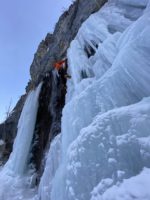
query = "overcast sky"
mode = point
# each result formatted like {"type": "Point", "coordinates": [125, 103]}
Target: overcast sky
{"type": "Point", "coordinates": [23, 24]}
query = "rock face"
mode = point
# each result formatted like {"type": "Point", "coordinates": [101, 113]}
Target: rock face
{"type": "Point", "coordinates": [55, 45]}
{"type": "Point", "coordinates": [51, 103]}
{"type": "Point", "coordinates": [52, 49]}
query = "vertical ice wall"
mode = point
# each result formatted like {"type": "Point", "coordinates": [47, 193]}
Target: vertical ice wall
{"type": "Point", "coordinates": [52, 163]}
{"type": "Point", "coordinates": [109, 64]}
{"type": "Point", "coordinates": [19, 156]}
{"type": "Point", "coordinates": [110, 72]}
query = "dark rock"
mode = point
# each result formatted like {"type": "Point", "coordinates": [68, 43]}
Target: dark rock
{"type": "Point", "coordinates": [55, 45]}
{"type": "Point", "coordinates": [48, 123]}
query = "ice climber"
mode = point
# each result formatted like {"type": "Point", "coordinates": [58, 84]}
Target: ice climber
{"type": "Point", "coordinates": [61, 68]}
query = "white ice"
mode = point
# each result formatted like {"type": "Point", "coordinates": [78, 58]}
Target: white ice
{"type": "Point", "coordinates": [133, 188]}
{"type": "Point", "coordinates": [14, 184]}
{"type": "Point", "coordinates": [105, 118]}
{"type": "Point", "coordinates": [53, 159]}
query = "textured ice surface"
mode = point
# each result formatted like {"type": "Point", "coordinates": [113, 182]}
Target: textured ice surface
{"type": "Point", "coordinates": [106, 121]}
{"type": "Point", "coordinates": [53, 157]}
{"type": "Point", "coordinates": [133, 188]}
{"type": "Point", "coordinates": [109, 148]}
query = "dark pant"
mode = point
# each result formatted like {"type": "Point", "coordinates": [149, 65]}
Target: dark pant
{"type": "Point", "coordinates": [62, 72]}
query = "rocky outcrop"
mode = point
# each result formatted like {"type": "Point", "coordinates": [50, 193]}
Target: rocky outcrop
{"type": "Point", "coordinates": [55, 45]}
{"type": "Point", "coordinates": [51, 49]}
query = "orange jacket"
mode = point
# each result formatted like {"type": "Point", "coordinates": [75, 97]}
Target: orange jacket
{"type": "Point", "coordinates": [59, 65]}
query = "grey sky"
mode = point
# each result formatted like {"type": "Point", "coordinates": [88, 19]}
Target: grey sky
{"type": "Point", "coordinates": [23, 24]}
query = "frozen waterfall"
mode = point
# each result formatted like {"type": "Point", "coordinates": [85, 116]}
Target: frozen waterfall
{"type": "Point", "coordinates": [103, 151]}
{"type": "Point", "coordinates": [12, 174]}
{"type": "Point", "coordinates": [105, 119]}
{"type": "Point", "coordinates": [52, 163]}
{"type": "Point", "coordinates": [18, 158]}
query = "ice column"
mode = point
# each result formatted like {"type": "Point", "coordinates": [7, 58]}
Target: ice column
{"type": "Point", "coordinates": [19, 156]}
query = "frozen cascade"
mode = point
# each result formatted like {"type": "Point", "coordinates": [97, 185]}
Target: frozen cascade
{"type": "Point", "coordinates": [118, 85]}
{"type": "Point", "coordinates": [52, 163]}
{"type": "Point", "coordinates": [18, 158]}
{"type": "Point", "coordinates": [12, 173]}
{"type": "Point", "coordinates": [103, 152]}
{"type": "Point", "coordinates": [105, 120]}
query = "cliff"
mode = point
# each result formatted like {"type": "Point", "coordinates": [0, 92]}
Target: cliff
{"type": "Point", "coordinates": [51, 49]}
{"type": "Point", "coordinates": [87, 137]}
